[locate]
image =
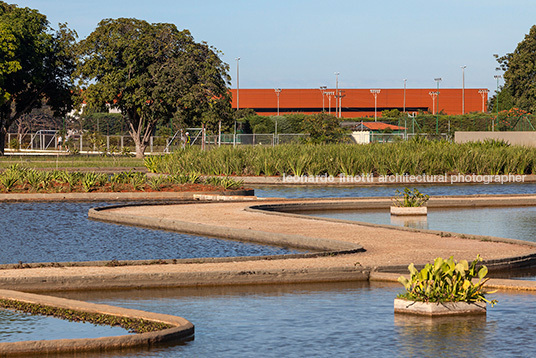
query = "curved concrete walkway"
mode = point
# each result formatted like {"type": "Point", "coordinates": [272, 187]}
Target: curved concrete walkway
{"type": "Point", "coordinates": [385, 248]}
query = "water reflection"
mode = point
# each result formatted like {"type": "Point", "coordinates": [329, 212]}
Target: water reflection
{"type": "Point", "coordinates": [413, 221]}
{"type": "Point", "coordinates": [509, 222]}
{"type": "Point", "coordinates": [338, 191]}
{"type": "Point", "coordinates": [351, 319]}
{"type": "Point", "coordinates": [61, 232]}
{"type": "Point", "coordinates": [436, 337]}
{"type": "Point", "coordinates": [18, 326]}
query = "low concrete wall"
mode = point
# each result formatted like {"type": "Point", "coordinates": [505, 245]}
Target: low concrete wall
{"type": "Point", "coordinates": [514, 138]}
{"type": "Point", "coordinates": [182, 330]}
{"type": "Point", "coordinates": [114, 280]}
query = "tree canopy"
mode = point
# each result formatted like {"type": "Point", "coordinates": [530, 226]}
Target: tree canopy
{"type": "Point", "coordinates": [520, 73]}
{"type": "Point", "coordinates": [153, 73]}
{"type": "Point", "coordinates": [36, 64]}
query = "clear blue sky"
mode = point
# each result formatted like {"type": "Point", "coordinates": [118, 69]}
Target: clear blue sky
{"type": "Point", "coordinates": [300, 44]}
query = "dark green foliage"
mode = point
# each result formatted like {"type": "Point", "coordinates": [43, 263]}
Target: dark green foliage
{"type": "Point", "coordinates": [323, 128]}
{"type": "Point", "coordinates": [520, 73]}
{"type": "Point", "coordinates": [410, 198]}
{"type": "Point", "coordinates": [36, 64]}
{"type": "Point", "coordinates": [154, 74]}
{"type": "Point", "coordinates": [446, 281]}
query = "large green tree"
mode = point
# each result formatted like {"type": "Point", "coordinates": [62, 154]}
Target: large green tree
{"type": "Point", "coordinates": [520, 73]}
{"type": "Point", "coordinates": [154, 74]}
{"type": "Point", "coordinates": [36, 64]}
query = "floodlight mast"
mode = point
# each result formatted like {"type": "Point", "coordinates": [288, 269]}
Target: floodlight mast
{"type": "Point", "coordinates": [375, 93]}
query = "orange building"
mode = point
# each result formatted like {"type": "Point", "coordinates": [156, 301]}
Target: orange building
{"type": "Point", "coordinates": [360, 102]}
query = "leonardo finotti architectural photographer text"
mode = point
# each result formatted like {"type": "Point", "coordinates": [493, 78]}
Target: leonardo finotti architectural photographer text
{"type": "Point", "coordinates": [404, 179]}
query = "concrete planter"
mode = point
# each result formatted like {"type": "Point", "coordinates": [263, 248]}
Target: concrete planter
{"type": "Point", "coordinates": [409, 211]}
{"type": "Point", "coordinates": [434, 309]}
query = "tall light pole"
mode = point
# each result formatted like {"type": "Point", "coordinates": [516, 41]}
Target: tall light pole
{"type": "Point", "coordinates": [375, 94]}
{"type": "Point", "coordinates": [484, 94]}
{"type": "Point", "coordinates": [329, 94]}
{"type": "Point", "coordinates": [277, 92]}
{"type": "Point", "coordinates": [463, 88]}
{"type": "Point", "coordinates": [237, 96]}
{"type": "Point", "coordinates": [323, 91]}
{"type": "Point", "coordinates": [405, 80]}
{"type": "Point", "coordinates": [437, 79]}
{"type": "Point", "coordinates": [433, 94]}
{"type": "Point", "coordinates": [497, 77]}
{"type": "Point", "coordinates": [336, 92]}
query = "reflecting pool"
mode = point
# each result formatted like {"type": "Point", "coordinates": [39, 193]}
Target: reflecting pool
{"type": "Point", "coordinates": [336, 191]}
{"type": "Point", "coordinates": [509, 222]}
{"type": "Point", "coordinates": [327, 320]}
{"type": "Point", "coordinates": [17, 326]}
{"type": "Point", "coordinates": [61, 232]}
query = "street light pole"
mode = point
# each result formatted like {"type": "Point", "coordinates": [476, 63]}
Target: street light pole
{"type": "Point", "coordinates": [433, 94]}
{"type": "Point", "coordinates": [438, 79]}
{"type": "Point", "coordinates": [375, 94]}
{"type": "Point", "coordinates": [322, 90]}
{"type": "Point", "coordinates": [336, 92]}
{"type": "Point", "coordinates": [405, 80]}
{"type": "Point", "coordinates": [483, 93]}
{"type": "Point", "coordinates": [277, 92]}
{"type": "Point", "coordinates": [463, 88]}
{"type": "Point", "coordinates": [329, 94]}
{"type": "Point", "coordinates": [497, 77]}
{"type": "Point", "coordinates": [237, 96]}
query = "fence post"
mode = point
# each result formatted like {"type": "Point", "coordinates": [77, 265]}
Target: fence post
{"type": "Point", "coordinates": [81, 143]}
{"type": "Point", "coordinates": [107, 143]}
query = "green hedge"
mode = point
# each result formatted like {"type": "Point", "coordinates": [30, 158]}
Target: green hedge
{"type": "Point", "coordinates": [415, 157]}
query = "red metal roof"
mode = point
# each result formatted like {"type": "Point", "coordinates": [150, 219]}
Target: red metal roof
{"type": "Point", "coordinates": [380, 126]}
{"type": "Point", "coordinates": [358, 102]}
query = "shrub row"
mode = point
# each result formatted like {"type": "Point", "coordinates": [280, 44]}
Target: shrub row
{"type": "Point", "coordinates": [414, 157]}
{"type": "Point", "coordinates": [20, 179]}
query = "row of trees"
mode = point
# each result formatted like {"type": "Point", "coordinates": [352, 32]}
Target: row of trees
{"type": "Point", "coordinates": [519, 90]}
{"type": "Point", "coordinates": [150, 72]}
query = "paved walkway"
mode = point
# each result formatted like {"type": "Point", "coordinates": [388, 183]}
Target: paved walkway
{"type": "Point", "coordinates": [383, 247]}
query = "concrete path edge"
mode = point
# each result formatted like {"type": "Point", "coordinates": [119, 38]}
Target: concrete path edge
{"type": "Point", "coordinates": [182, 328]}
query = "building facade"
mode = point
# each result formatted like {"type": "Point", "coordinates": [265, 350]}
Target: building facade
{"type": "Point", "coordinates": [360, 102]}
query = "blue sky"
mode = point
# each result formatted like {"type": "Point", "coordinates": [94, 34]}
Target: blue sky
{"type": "Point", "coordinates": [300, 44]}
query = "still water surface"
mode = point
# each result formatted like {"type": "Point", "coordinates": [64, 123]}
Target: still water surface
{"type": "Point", "coordinates": [298, 191]}
{"type": "Point", "coordinates": [326, 320]}
{"type": "Point", "coordinates": [322, 320]}
{"type": "Point", "coordinates": [61, 232]}
{"type": "Point", "coordinates": [510, 222]}
{"type": "Point", "coordinates": [16, 326]}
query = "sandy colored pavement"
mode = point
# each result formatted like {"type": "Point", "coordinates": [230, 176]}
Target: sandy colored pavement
{"type": "Point", "coordinates": [383, 246]}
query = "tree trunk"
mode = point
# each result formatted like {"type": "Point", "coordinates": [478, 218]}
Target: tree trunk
{"type": "Point", "coordinates": [140, 149]}
{"type": "Point", "coordinates": [2, 140]}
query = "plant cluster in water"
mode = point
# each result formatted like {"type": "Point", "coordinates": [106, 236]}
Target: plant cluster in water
{"type": "Point", "coordinates": [410, 198]}
{"type": "Point", "coordinates": [446, 281]}
{"type": "Point", "coordinates": [18, 179]}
